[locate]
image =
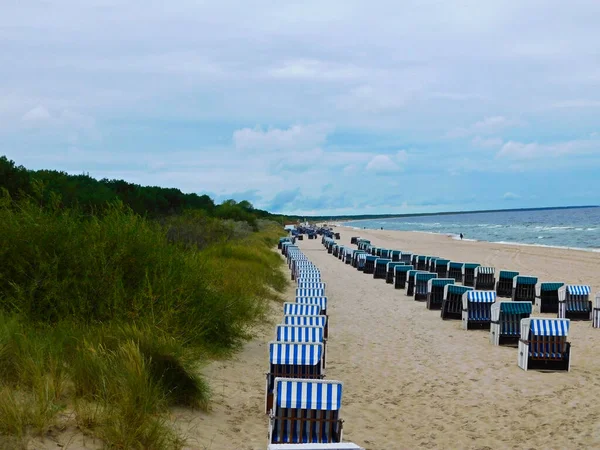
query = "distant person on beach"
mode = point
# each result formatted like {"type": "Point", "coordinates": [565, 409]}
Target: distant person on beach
{"type": "Point", "coordinates": [461, 236]}
{"type": "Point", "coordinates": [382, 228]}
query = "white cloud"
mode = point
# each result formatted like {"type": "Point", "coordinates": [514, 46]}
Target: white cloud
{"type": "Point", "coordinates": [511, 196]}
{"type": "Point", "coordinates": [489, 125]}
{"type": "Point", "coordinates": [297, 137]}
{"type": "Point", "coordinates": [483, 142]}
{"type": "Point", "coordinates": [310, 69]}
{"type": "Point", "coordinates": [529, 151]}
{"type": "Point", "coordinates": [382, 164]}
{"type": "Point", "coordinates": [37, 114]}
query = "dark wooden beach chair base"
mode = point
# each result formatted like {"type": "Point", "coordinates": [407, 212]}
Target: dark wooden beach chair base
{"type": "Point", "coordinates": [504, 288]}
{"type": "Point", "coordinates": [389, 277]}
{"type": "Point", "coordinates": [420, 297]}
{"type": "Point", "coordinates": [578, 316]}
{"type": "Point", "coordinates": [450, 315]}
{"type": "Point", "coordinates": [433, 304]}
{"type": "Point", "coordinates": [561, 364]}
{"type": "Point", "coordinates": [509, 341]}
{"type": "Point", "coordinates": [323, 426]}
{"type": "Point", "coordinates": [478, 325]}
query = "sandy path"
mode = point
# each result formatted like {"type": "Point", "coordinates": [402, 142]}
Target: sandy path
{"type": "Point", "coordinates": [412, 380]}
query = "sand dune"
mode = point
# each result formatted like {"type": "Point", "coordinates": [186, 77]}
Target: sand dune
{"type": "Point", "coordinates": [412, 380]}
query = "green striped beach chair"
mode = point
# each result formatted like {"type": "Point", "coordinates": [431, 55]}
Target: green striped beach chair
{"type": "Point", "coordinates": [504, 286]}
{"type": "Point", "coordinates": [421, 284]}
{"type": "Point", "coordinates": [506, 321]}
{"type": "Point", "coordinates": [380, 269]}
{"type": "Point", "coordinates": [524, 288]}
{"type": "Point", "coordinates": [435, 292]}
{"type": "Point", "coordinates": [468, 274]}
{"type": "Point", "coordinates": [548, 295]}
{"type": "Point", "coordinates": [452, 303]}
{"type": "Point", "coordinates": [400, 275]}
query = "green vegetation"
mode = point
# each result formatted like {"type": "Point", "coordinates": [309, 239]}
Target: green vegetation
{"type": "Point", "coordinates": [107, 315]}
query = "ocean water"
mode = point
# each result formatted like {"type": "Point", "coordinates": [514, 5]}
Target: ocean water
{"type": "Point", "coordinates": [572, 228]}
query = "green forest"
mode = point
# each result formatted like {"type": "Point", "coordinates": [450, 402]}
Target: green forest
{"type": "Point", "coordinates": [113, 296]}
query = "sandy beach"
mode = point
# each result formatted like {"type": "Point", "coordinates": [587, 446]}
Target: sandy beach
{"type": "Point", "coordinates": [412, 380]}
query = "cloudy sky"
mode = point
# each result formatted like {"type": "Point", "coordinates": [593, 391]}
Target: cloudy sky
{"type": "Point", "coordinates": [330, 106]}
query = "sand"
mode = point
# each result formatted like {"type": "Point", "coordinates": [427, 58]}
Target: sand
{"type": "Point", "coordinates": [412, 380]}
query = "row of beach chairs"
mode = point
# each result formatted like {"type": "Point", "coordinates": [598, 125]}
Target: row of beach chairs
{"type": "Point", "coordinates": [303, 407]}
{"type": "Point", "coordinates": [542, 343]}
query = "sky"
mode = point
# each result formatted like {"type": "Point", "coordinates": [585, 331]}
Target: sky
{"type": "Point", "coordinates": [311, 107]}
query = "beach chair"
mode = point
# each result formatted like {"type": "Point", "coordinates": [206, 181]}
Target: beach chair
{"type": "Point", "coordinates": [435, 291]}
{"type": "Point", "coordinates": [354, 240]}
{"type": "Point", "coordinates": [543, 344]}
{"type": "Point", "coordinates": [430, 263]}
{"type": "Point", "coordinates": [406, 258]}
{"type": "Point", "coordinates": [306, 411]}
{"type": "Point", "coordinates": [334, 446]}
{"type": "Point", "coordinates": [312, 276]}
{"type": "Point", "coordinates": [348, 253]}
{"type": "Point", "coordinates": [410, 281]}
{"type": "Point", "coordinates": [396, 255]}
{"type": "Point", "coordinates": [312, 285]}
{"type": "Point", "coordinates": [314, 300]}
{"type": "Point", "coordinates": [504, 286]}
{"type": "Point", "coordinates": [310, 292]}
{"type": "Point", "coordinates": [306, 321]}
{"type": "Point", "coordinates": [299, 309]}
{"type": "Point", "coordinates": [485, 279]}
{"type": "Point", "coordinates": [524, 289]}
{"type": "Point", "coordinates": [370, 264]}
{"type": "Point", "coordinates": [596, 313]}
{"type": "Point", "coordinates": [477, 311]}
{"type": "Point", "coordinates": [389, 276]}
{"type": "Point", "coordinates": [413, 260]}
{"type": "Point", "coordinates": [421, 283]}
{"type": "Point", "coordinates": [574, 302]}
{"type": "Point", "coordinates": [440, 266]}
{"type": "Point", "coordinates": [548, 295]}
{"type": "Point", "coordinates": [455, 270]}
{"type": "Point", "coordinates": [469, 273]}
{"type": "Point", "coordinates": [422, 262]}
{"type": "Point", "coordinates": [400, 275]}
{"type": "Point", "coordinates": [335, 250]}
{"type": "Point", "coordinates": [385, 253]}
{"type": "Point", "coordinates": [452, 303]}
{"type": "Point", "coordinates": [506, 321]}
{"type": "Point", "coordinates": [380, 270]}
{"type": "Point", "coordinates": [281, 241]}
{"type": "Point", "coordinates": [378, 252]}
{"type": "Point", "coordinates": [292, 360]}
{"type": "Point", "coordinates": [361, 261]}
{"type": "Point", "coordinates": [297, 333]}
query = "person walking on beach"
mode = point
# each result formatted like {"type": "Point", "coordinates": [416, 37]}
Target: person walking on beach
{"type": "Point", "coordinates": [461, 236]}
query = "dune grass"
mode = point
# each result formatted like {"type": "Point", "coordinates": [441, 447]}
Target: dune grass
{"type": "Point", "coordinates": [110, 317]}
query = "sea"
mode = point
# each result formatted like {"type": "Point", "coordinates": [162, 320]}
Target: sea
{"type": "Point", "coordinates": [577, 228]}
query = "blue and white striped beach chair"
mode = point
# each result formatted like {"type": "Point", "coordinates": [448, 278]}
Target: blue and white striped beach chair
{"type": "Point", "coordinates": [477, 309]}
{"type": "Point", "coordinates": [306, 412]}
{"type": "Point", "coordinates": [311, 285]}
{"type": "Point", "coordinates": [294, 333]}
{"type": "Point", "coordinates": [292, 360]}
{"type": "Point", "coordinates": [506, 321]}
{"type": "Point", "coordinates": [452, 303]}
{"type": "Point", "coordinates": [435, 292]}
{"type": "Point", "coordinates": [543, 344]}
{"type": "Point", "coordinates": [335, 446]}
{"type": "Point", "coordinates": [361, 260]}
{"type": "Point", "coordinates": [297, 309]}
{"type": "Point", "coordinates": [306, 321]}
{"type": "Point", "coordinates": [320, 300]}
{"type": "Point", "coordinates": [596, 313]}
{"type": "Point", "coordinates": [310, 292]}
{"type": "Point", "coordinates": [574, 302]}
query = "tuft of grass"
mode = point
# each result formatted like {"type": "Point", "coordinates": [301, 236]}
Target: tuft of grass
{"type": "Point", "coordinates": [112, 316]}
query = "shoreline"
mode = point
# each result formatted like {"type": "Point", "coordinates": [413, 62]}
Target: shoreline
{"type": "Point", "coordinates": [454, 237]}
